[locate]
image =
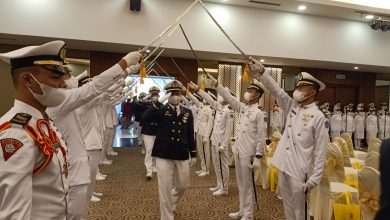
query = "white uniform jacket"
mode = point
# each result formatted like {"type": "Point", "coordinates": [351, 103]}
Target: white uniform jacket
{"type": "Point", "coordinates": [22, 194]}
{"type": "Point", "coordinates": [302, 149]}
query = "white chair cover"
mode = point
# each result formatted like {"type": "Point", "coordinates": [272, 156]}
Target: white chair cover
{"type": "Point", "coordinates": [372, 160]}
{"type": "Point", "coordinates": [348, 140]}
{"type": "Point", "coordinates": [369, 188]}
{"type": "Point", "coordinates": [374, 146]}
{"type": "Point", "coordinates": [360, 154]}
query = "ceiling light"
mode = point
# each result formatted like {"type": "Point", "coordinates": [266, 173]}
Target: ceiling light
{"type": "Point", "coordinates": [147, 51]}
{"type": "Point", "coordinates": [301, 7]}
{"type": "Point", "coordinates": [262, 60]}
{"type": "Point", "coordinates": [225, 0]}
{"type": "Point", "coordinates": [356, 68]}
{"type": "Point", "coordinates": [370, 17]}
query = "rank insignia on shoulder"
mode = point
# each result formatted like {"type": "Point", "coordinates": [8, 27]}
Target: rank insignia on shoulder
{"type": "Point", "coordinates": [21, 118]}
{"type": "Point", "coordinates": [327, 124]}
{"type": "Point", "coordinates": [10, 146]}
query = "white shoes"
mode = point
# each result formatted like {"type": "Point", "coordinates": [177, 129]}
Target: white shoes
{"type": "Point", "coordinates": [204, 173]}
{"type": "Point", "coordinates": [198, 172]}
{"type": "Point", "coordinates": [236, 215]}
{"type": "Point", "coordinates": [112, 153]}
{"type": "Point", "coordinates": [103, 175]}
{"type": "Point", "coordinates": [95, 199]}
{"type": "Point", "coordinates": [214, 189]}
{"type": "Point", "coordinates": [99, 177]}
{"type": "Point", "coordinates": [154, 169]}
{"type": "Point", "coordinates": [98, 195]}
{"type": "Point", "coordinates": [107, 162]}
{"type": "Point", "coordinates": [220, 192]}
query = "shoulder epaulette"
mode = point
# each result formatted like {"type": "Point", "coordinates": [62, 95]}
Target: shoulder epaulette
{"type": "Point", "coordinates": [21, 119]}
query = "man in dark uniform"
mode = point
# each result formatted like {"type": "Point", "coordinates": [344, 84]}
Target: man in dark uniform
{"type": "Point", "coordinates": [173, 147]}
{"type": "Point", "coordinates": [149, 131]}
{"type": "Point", "coordinates": [384, 212]}
{"type": "Point", "coordinates": [139, 109]}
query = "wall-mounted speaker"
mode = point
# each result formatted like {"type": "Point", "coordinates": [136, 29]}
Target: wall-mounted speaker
{"type": "Point", "coordinates": [135, 5]}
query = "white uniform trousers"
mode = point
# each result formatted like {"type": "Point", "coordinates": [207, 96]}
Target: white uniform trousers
{"type": "Point", "coordinates": [245, 186]}
{"type": "Point", "coordinates": [222, 180]}
{"type": "Point", "coordinates": [381, 135]}
{"type": "Point", "coordinates": [149, 142]}
{"type": "Point", "coordinates": [106, 142]}
{"type": "Point", "coordinates": [77, 201]}
{"type": "Point", "coordinates": [173, 179]}
{"type": "Point", "coordinates": [93, 159]}
{"type": "Point", "coordinates": [370, 135]}
{"type": "Point", "coordinates": [293, 197]}
{"type": "Point", "coordinates": [358, 143]}
{"type": "Point", "coordinates": [139, 135]}
{"type": "Point", "coordinates": [334, 134]}
{"type": "Point", "coordinates": [112, 137]}
{"type": "Point", "coordinates": [203, 150]}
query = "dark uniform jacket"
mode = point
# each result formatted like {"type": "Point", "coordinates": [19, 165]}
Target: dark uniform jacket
{"type": "Point", "coordinates": [174, 134]}
{"type": "Point", "coordinates": [148, 128]}
{"type": "Point", "coordinates": [384, 212]}
{"type": "Point", "coordinates": [138, 109]}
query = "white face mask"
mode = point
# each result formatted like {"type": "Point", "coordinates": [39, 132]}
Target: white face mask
{"type": "Point", "coordinates": [174, 100]}
{"type": "Point", "coordinates": [248, 96]}
{"type": "Point", "coordinates": [71, 83]}
{"type": "Point", "coordinates": [50, 97]}
{"type": "Point", "coordinates": [299, 96]}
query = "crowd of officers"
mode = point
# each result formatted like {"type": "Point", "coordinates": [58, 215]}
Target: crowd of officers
{"type": "Point", "coordinates": [52, 139]}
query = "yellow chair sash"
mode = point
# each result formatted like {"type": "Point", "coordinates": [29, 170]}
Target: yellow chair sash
{"type": "Point", "coordinates": [347, 210]}
{"type": "Point", "coordinates": [371, 201]}
{"type": "Point", "coordinates": [273, 178]}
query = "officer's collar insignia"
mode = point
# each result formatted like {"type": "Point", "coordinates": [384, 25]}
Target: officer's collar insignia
{"type": "Point", "coordinates": [21, 118]}
{"type": "Point", "coordinates": [300, 77]}
{"type": "Point", "coordinates": [10, 146]}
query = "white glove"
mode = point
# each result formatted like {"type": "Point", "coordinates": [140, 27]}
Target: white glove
{"type": "Point", "coordinates": [255, 67]}
{"type": "Point", "coordinates": [205, 139]}
{"type": "Point", "coordinates": [214, 82]}
{"type": "Point", "coordinates": [192, 161]}
{"type": "Point", "coordinates": [310, 184]}
{"type": "Point", "coordinates": [133, 68]}
{"type": "Point", "coordinates": [221, 148]}
{"type": "Point", "coordinates": [128, 82]}
{"type": "Point", "coordinates": [165, 97]}
{"type": "Point", "coordinates": [132, 58]}
{"type": "Point", "coordinates": [255, 165]}
{"type": "Point", "coordinates": [125, 90]}
{"type": "Point", "coordinates": [193, 86]}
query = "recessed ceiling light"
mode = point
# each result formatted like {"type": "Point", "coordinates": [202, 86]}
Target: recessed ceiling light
{"type": "Point", "coordinates": [262, 60]}
{"type": "Point", "coordinates": [356, 68]}
{"type": "Point", "coordinates": [225, 0]}
{"type": "Point", "coordinates": [369, 17]}
{"type": "Point", "coordinates": [301, 7]}
{"type": "Point", "coordinates": [147, 51]}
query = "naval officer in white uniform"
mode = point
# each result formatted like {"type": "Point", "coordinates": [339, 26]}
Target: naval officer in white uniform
{"type": "Point", "coordinates": [300, 155]}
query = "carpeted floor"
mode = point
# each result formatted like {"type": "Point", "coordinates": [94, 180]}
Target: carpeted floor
{"type": "Point", "coordinates": [128, 196]}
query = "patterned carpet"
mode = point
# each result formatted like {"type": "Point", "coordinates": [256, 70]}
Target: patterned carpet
{"type": "Point", "coordinates": [128, 196]}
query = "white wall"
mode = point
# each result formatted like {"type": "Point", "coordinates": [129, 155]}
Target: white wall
{"type": "Point", "coordinates": [258, 32]}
